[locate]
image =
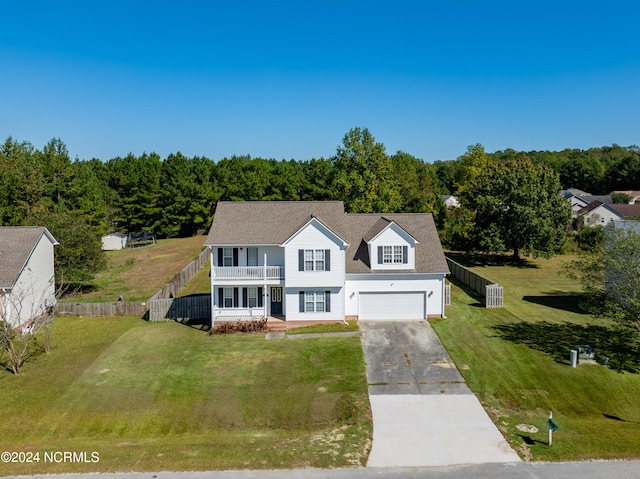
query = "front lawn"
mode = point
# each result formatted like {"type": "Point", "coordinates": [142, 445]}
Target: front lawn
{"type": "Point", "coordinates": [164, 396]}
{"type": "Point", "coordinates": [516, 360]}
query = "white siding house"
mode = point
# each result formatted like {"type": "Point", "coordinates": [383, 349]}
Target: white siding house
{"type": "Point", "coordinates": [27, 287]}
{"type": "Point", "coordinates": [316, 263]}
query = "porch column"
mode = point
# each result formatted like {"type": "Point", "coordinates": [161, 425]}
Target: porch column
{"type": "Point", "coordinates": [213, 296]}
{"type": "Point", "coordinates": [264, 285]}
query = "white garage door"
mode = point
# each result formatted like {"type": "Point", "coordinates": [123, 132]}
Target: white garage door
{"type": "Point", "coordinates": [390, 306]}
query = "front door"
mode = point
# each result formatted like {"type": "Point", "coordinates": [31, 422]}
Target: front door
{"type": "Point", "coordinates": [276, 300]}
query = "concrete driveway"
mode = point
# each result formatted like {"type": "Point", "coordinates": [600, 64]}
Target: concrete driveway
{"type": "Point", "coordinates": [424, 414]}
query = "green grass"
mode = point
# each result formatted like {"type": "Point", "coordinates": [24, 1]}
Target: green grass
{"type": "Point", "coordinates": [516, 360]}
{"type": "Point", "coordinates": [350, 326]}
{"type": "Point", "coordinates": [164, 396]}
{"type": "Point", "coordinates": [199, 284]}
{"type": "Point", "coordinates": [139, 273]}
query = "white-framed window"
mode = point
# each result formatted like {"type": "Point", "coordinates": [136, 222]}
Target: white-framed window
{"type": "Point", "coordinates": [252, 256]}
{"type": "Point", "coordinates": [228, 298]}
{"type": "Point", "coordinates": [227, 256]}
{"type": "Point", "coordinates": [314, 301]}
{"type": "Point", "coordinates": [314, 260]}
{"type": "Point", "coordinates": [392, 254]}
{"type": "Point", "coordinates": [252, 297]}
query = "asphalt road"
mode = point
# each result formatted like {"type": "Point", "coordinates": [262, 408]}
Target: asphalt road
{"type": "Point", "coordinates": [565, 470]}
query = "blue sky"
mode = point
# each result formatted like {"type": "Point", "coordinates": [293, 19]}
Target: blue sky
{"type": "Point", "coordinates": [287, 79]}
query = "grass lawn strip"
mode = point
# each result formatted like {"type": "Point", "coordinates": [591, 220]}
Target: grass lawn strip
{"type": "Point", "coordinates": [166, 396]}
{"type": "Point", "coordinates": [516, 359]}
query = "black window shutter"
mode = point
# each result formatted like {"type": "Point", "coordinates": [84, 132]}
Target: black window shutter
{"type": "Point", "coordinates": [301, 260]}
{"type": "Point", "coordinates": [220, 298]}
{"type": "Point", "coordinates": [260, 303]}
{"type": "Point", "coordinates": [379, 254]}
{"type": "Point", "coordinates": [220, 259]}
{"type": "Point", "coordinates": [244, 297]}
{"type": "Point", "coordinates": [235, 256]}
{"type": "Point", "coordinates": [235, 297]}
{"type": "Point", "coordinates": [405, 254]}
{"type": "Point", "coordinates": [327, 260]}
{"type": "Point", "coordinates": [327, 301]}
{"type": "Point", "coordinates": [301, 295]}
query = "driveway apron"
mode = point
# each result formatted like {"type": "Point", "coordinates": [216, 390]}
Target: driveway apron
{"type": "Point", "coordinates": [424, 414]}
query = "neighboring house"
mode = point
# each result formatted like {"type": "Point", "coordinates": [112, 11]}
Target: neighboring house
{"type": "Point", "coordinates": [114, 242]}
{"type": "Point", "coordinates": [451, 201]}
{"type": "Point", "coordinates": [578, 202]}
{"type": "Point", "coordinates": [633, 194]}
{"type": "Point", "coordinates": [628, 212]}
{"type": "Point", "coordinates": [598, 213]}
{"type": "Point", "coordinates": [310, 261]}
{"type": "Point", "coordinates": [568, 193]}
{"type": "Point", "coordinates": [27, 286]}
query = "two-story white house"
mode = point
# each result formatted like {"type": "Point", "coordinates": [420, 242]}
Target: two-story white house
{"type": "Point", "coordinates": [27, 287]}
{"type": "Point", "coordinates": [310, 261]}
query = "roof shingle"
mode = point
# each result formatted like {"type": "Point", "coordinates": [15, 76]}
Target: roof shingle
{"type": "Point", "coordinates": [273, 222]}
{"type": "Point", "coordinates": [16, 245]}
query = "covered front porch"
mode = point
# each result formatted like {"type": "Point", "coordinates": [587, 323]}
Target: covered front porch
{"type": "Point", "coordinates": [246, 302]}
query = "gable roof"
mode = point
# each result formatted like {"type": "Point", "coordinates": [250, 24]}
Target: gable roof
{"type": "Point", "coordinates": [420, 226]}
{"type": "Point", "coordinates": [380, 226]}
{"type": "Point", "coordinates": [267, 222]}
{"type": "Point", "coordinates": [274, 222]}
{"type": "Point", "coordinates": [569, 192]}
{"type": "Point", "coordinates": [16, 246]}
{"type": "Point", "coordinates": [594, 205]}
{"type": "Point", "coordinates": [314, 219]}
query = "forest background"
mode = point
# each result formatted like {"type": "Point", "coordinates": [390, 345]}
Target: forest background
{"type": "Point", "coordinates": [81, 200]}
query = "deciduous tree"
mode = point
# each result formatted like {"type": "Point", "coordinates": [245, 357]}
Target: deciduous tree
{"type": "Point", "coordinates": [364, 177]}
{"type": "Point", "coordinates": [516, 206]}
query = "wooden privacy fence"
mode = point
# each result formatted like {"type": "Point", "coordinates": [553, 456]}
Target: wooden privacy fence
{"type": "Point", "coordinates": [122, 308]}
{"type": "Point", "coordinates": [170, 290]}
{"type": "Point", "coordinates": [178, 309]}
{"type": "Point", "coordinates": [490, 290]}
{"type": "Point", "coordinates": [118, 308]}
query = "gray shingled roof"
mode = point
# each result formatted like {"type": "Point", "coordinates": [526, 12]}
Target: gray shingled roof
{"type": "Point", "coordinates": [267, 222]}
{"type": "Point", "coordinates": [429, 255]}
{"type": "Point", "coordinates": [273, 222]}
{"type": "Point", "coordinates": [16, 245]}
{"type": "Point", "coordinates": [627, 211]}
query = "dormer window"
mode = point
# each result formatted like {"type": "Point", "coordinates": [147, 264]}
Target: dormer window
{"type": "Point", "coordinates": [393, 255]}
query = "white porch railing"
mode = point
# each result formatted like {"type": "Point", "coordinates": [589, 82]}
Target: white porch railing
{"type": "Point", "coordinates": [247, 272]}
{"type": "Point", "coordinates": [238, 314]}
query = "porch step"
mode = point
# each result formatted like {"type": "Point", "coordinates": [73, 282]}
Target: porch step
{"type": "Point", "coordinates": [275, 324]}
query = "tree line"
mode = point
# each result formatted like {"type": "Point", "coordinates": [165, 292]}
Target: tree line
{"type": "Point", "coordinates": [81, 200]}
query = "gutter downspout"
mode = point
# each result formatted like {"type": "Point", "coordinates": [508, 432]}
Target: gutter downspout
{"type": "Point", "coordinates": [444, 279]}
{"type": "Point", "coordinates": [213, 296]}
{"type": "Point", "coordinates": [7, 303]}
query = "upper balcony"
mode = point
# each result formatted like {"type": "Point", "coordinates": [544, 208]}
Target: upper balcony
{"type": "Point", "coordinates": [248, 273]}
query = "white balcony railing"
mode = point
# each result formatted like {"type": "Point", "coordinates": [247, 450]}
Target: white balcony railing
{"type": "Point", "coordinates": [247, 272]}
